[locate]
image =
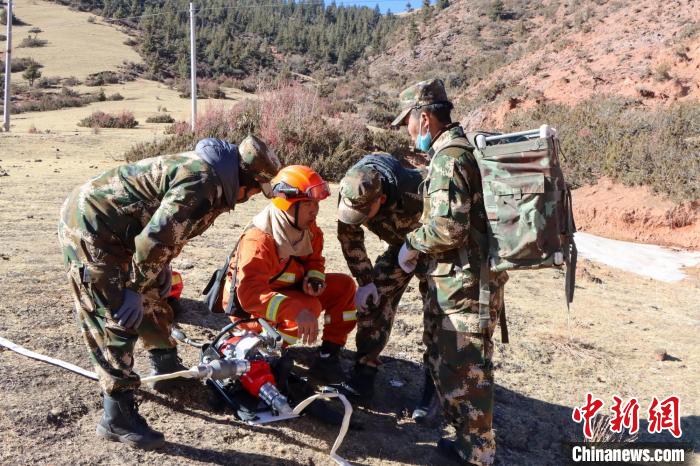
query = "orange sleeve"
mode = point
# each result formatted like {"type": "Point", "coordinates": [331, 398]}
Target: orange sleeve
{"type": "Point", "coordinates": [315, 263]}
{"type": "Point", "coordinates": [258, 261]}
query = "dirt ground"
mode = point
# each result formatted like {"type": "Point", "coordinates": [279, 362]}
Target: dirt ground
{"type": "Point", "coordinates": [605, 345]}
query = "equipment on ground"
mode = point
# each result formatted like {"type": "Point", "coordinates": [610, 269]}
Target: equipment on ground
{"type": "Point", "coordinates": [244, 369]}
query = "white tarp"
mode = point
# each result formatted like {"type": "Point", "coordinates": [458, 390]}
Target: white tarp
{"type": "Point", "coordinates": [653, 261]}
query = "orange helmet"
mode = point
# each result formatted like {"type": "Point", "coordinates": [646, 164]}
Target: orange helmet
{"type": "Point", "coordinates": [297, 183]}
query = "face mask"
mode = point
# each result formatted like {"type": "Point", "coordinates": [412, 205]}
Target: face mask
{"type": "Point", "coordinates": [423, 140]}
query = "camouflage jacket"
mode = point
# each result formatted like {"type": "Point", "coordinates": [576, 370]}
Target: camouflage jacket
{"type": "Point", "coordinates": [453, 202]}
{"type": "Point", "coordinates": [142, 214]}
{"type": "Point", "coordinates": [396, 217]}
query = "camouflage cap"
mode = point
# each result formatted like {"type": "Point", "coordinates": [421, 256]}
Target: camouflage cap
{"type": "Point", "coordinates": [420, 94]}
{"type": "Point", "coordinates": [258, 160]}
{"type": "Point", "coordinates": [358, 189]}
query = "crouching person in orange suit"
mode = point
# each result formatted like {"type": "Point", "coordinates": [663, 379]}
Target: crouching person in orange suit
{"type": "Point", "coordinates": [279, 272]}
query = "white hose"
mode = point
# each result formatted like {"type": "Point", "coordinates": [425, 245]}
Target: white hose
{"type": "Point", "coordinates": [187, 374]}
{"type": "Point", "coordinates": [343, 428]}
{"type": "Point", "coordinates": [40, 357]}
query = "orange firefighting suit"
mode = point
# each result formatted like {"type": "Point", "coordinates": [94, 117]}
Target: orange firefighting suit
{"type": "Point", "coordinates": [280, 301]}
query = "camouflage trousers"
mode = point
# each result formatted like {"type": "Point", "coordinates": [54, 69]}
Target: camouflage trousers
{"type": "Point", "coordinates": [459, 358]}
{"type": "Point", "coordinates": [97, 284]}
{"type": "Point", "coordinates": [374, 327]}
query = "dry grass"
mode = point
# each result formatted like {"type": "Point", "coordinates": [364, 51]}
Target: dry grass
{"type": "Point", "coordinates": [75, 47]}
{"type": "Point", "coordinates": [600, 428]}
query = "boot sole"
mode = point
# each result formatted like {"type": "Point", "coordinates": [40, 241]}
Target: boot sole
{"type": "Point", "coordinates": [107, 435]}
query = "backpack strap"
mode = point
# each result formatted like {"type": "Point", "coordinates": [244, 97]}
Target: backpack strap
{"type": "Point", "coordinates": [482, 240]}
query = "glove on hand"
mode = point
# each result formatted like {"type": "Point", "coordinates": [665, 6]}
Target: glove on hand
{"type": "Point", "coordinates": [165, 281]}
{"type": "Point", "coordinates": [365, 294]}
{"type": "Point", "coordinates": [130, 313]}
{"type": "Point", "coordinates": [408, 258]}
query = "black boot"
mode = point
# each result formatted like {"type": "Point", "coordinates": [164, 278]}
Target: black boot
{"type": "Point", "coordinates": [360, 385]}
{"type": "Point", "coordinates": [427, 410]}
{"type": "Point", "coordinates": [448, 450]}
{"type": "Point", "coordinates": [327, 367]}
{"type": "Point", "coordinates": [121, 422]}
{"type": "Point", "coordinates": [166, 361]}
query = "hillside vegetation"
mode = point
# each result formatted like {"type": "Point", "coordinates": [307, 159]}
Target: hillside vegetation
{"type": "Point", "coordinates": [241, 38]}
{"type": "Point", "coordinates": [619, 79]}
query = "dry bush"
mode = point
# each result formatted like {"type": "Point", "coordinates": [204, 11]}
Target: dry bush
{"type": "Point", "coordinates": [600, 429]}
{"type": "Point", "coordinates": [20, 64]}
{"type": "Point", "coordinates": [161, 118]}
{"type": "Point", "coordinates": [206, 89]}
{"type": "Point", "coordinates": [101, 78]}
{"type": "Point", "coordinates": [662, 72]}
{"type": "Point", "coordinates": [100, 119]}
{"type": "Point", "coordinates": [293, 119]}
{"type": "Point", "coordinates": [621, 139]}
{"type": "Point", "coordinates": [37, 101]}
{"type": "Point", "coordinates": [48, 82]}
{"type": "Point", "coordinates": [32, 42]}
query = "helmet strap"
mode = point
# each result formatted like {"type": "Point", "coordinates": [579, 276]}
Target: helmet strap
{"type": "Point", "coordinates": [296, 216]}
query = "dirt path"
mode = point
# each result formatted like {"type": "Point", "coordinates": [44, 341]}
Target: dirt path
{"type": "Point", "coordinates": [606, 346]}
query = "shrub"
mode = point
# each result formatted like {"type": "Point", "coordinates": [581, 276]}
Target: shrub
{"type": "Point", "coordinates": [661, 73]}
{"type": "Point", "coordinates": [48, 82]}
{"type": "Point", "coordinates": [31, 74]}
{"type": "Point", "coordinates": [206, 89]}
{"type": "Point", "coordinates": [15, 20]}
{"type": "Point", "coordinates": [162, 118]}
{"type": "Point", "coordinates": [34, 100]}
{"type": "Point", "coordinates": [32, 42]}
{"type": "Point", "coordinates": [100, 119]}
{"type": "Point", "coordinates": [68, 92]}
{"type": "Point", "coordinates": [291, 118]}
{"type": "Point", "coordinates": [20, 64]}
{"type": "Point", "coordinates": [621, 139]}
{"type": "Point", "coordinates": [116, 96]}
{"type": "Point", "coordinates": [3, 37]}
{"type": "Point", "coordinates": [71, 81]}
{"type": "Point", "coordinates": [101, 78]}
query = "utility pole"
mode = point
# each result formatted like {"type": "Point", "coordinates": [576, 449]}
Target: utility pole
{"type": "Point", "coordinates": [193, 68]}
{"type": "Point", "coordinates": [8, 69]}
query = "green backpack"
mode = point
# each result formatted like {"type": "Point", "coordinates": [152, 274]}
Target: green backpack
{"type": "Point", "coordinates": [528, 204]}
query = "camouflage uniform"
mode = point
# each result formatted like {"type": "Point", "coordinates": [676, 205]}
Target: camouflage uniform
{"type": "Point", "coordinates": [459, 354]}
{"type": "Point", "coordinates": [119, 230]}
{"type": "Point", "coordinates": [369, 178]}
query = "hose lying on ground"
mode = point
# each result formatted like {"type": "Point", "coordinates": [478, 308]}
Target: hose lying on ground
{"type": "Point", "coordinates": [224, 369]}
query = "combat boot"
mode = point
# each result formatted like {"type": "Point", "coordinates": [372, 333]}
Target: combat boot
{"type": "Point", "coordinates": [165, 361]}
{"type": "Point", "coordinates": [360, 385]}
{"type": "Point", "coordinates": [427, 410]}
{"type": "Point", "coordinates": [121, 422]}
{"type": "Point", "coordinates": [327, 368]}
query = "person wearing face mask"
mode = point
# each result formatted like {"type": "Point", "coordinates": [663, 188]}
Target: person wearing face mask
{"type": "Point", "coordinates": [378, 193]}
{"type": "Point", "coordinates": [459, 340]}
{"type": "Point", "coordinates": [279, 272]}
{"type": "Point", "coordinates": [118, 233]}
